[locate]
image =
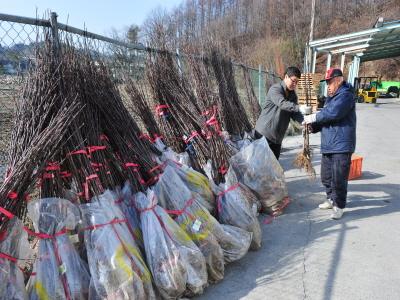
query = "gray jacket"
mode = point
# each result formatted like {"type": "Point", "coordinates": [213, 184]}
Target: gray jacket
{"type": "Point", "coordinates": [277, 112]}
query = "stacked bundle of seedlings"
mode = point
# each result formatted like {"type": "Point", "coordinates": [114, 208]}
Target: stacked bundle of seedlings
{"type": "Point", "coordinates": [40, 130]}
{"type": "Point", "coordinates": [171, 132]}
{"type": "Point", "coordinates": [80, 166]}
{"type": "Point", "coordinates": [252, 105]}
{"type": "Point", "coordinates": [208, 100]}
{"type": "Point", "coordinates": [141, 108]}
{"type": "Point", "coordinates": [233, 114]}
{"type": "Point", "coordinates": [180, 109]}
{"type": "Point", "coordinates": [121, 129]}
{"type": "Point", "coordinates": [97, 156]}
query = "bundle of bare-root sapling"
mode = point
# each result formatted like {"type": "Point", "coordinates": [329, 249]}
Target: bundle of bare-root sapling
{"type": "Point", "coordinates": [40, 129]}
{"type": "Point", "coordinates": [303, 159]}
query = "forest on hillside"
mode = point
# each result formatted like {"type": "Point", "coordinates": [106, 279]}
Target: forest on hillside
{"type": "Point", "coordinates": [269, 32]}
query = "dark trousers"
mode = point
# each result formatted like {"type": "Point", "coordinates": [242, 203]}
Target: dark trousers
{"type": "Point", "coordinates": [275, 148]}
{"type": "Point", "coordinates": [335, 170]}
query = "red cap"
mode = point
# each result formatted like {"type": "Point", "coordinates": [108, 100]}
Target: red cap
{"type": "Point", "coordinates": [331, 73]}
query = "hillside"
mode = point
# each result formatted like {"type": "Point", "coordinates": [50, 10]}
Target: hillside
{"type": "Point", "coordinates": [271, 32]}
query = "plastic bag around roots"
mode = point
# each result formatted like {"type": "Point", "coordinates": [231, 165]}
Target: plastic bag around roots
{"type": "Point", "coordinates": [256, 167]}
{"type": "Point", "coordinates": [13, 246]}
{"type": "Point", "coordinates": [115, 261]}
{"type": "Point", "coordinates": [177, 264]}
{"type": "Point", "coordinates": [126, 203]}
{"type": "Point", "coordinates": [176, 195]}
{"type": "Point", "coordinates": [197, 183]}
{"type": "Point", "coordinates": [235, 209]}
{"type": "Point", "coordinates": [60, 272]}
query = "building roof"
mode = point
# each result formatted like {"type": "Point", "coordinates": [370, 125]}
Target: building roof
{"type": "Point", "coordinates": [381, 41]}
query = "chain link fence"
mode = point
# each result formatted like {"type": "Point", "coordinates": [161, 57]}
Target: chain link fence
{"type": "Point", "coordinates": [20, 36]}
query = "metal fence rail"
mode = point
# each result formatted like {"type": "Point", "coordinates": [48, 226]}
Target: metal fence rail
{"type": "Point", "coordinates": [19, 37]}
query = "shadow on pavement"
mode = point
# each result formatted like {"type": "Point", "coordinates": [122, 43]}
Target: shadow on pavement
{"type": "Point", "coordinates": [282, 258]}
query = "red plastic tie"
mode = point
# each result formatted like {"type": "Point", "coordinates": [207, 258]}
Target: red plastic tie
{"type": "Point", "coordinates": [92, 149]}
{"type": "Point", "coordinates": [65, 174]}
{"type": "Point", "coordinates": [114, 221]}
{"type": "Point", "coordinates": [103, 137]}
{"type": "Point", "coordinates": [45, 236]}
{"type": "Point", "coordinates": [161, 166]}
{"type": "Point", "coordinates": [53, 166]}
{"type": "Point", "coordinates": [160, 109]}
{"type": "Point", "coordinates": [179, 212]}
{"type": "Point", "coordinates": [77, 152]}
{"type": "Point", "coordinates": [191, 137]}
{"type": "Point", "coordinates": [8, 257]}
{"type": "Point", "coordinates": [12, 195]}
{"type": "Point", "coordinates": [221, 194]}
{"type": "Point", "coordinates": [222, 170]}
{"type": "Point", "coordinates": [48, 176]}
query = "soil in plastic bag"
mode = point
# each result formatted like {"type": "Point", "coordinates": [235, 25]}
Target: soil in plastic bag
{"type": "Point", "coordinates": [14, 245]}
{"type": "Point", "coordinates": [256, 167]}
{"type": "Point", "coordinates": [116, 264]}
{"type": "Point", "coordinates": [197, 183]}
{"type": "Point", "coordinates": [235, 209]}
{"type": "Point", "coordinates": [177, 264]}
{"type": "Point", "coordinates": [197, 220]}
{"type": "Point", "coordinates": [60, 272]}
{"type": "Point", "coordinates": [126, 203]}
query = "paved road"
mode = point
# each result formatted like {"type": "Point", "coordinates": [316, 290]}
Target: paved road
{"type": "Point", "coordinates": [308, 256]}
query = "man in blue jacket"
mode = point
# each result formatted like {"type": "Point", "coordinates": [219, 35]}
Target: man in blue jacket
{"type": "Point", "coordinates": [337, 123]}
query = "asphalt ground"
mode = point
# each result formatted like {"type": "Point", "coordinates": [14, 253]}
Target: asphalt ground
{"type": "Point", "coordinates": [305, 254]}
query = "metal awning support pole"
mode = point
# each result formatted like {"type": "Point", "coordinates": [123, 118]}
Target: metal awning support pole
{"type": "Point", "coordinates": [314, 61]}
{"type": "Point", "coordinates": [350, 74]}
{"type": "Point", "coordinates": [354, 69]}
{"type": "Point", "coordinates": [328, 61]}
{"type": "Point", "coordinates": [328, 65]}
{"type": "Point", "coordinates": [342, 61]}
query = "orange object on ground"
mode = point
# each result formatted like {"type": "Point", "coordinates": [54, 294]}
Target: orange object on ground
{"type": "Point", "coordinates": [355, 167]}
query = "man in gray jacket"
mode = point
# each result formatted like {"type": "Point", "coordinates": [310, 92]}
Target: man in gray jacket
{"type": "Point", "coordinates": [280, 106]}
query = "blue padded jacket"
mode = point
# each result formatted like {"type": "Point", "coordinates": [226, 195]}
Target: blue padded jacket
{"type": "Point", "coordinates": [337, 122]}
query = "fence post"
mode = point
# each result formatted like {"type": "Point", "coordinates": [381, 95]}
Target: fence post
{"type": "Point", "coordinates": [54, 32]}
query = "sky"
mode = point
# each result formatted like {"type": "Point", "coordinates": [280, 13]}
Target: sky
{"type": "Point", "coordinates": [98, 16]}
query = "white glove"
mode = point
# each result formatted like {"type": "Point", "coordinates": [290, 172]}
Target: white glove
{"type": "Point", "coordinates": [304, 109]}
{"type": "Point", "coordinates": [310, 119]}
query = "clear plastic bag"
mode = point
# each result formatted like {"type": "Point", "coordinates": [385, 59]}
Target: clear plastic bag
{"type": "Point", "coordinates": [176, 195]}
{"type": "Point", "coordinates": [197, 183]}
{"type": "Point", "coordinates": [177, 264]}
{"type": "Point", "coordinates": [178, 198]}
{"type": "Point", "coordinates": [60, 272]}
{"type": "Point", "coordinates": [127, 205]}
{"type": "Point", "coordinates": [167, 152]}
{"type": "Point", "coordinates": [235, 208]}
{"type": "Point", "coordinates": [256, 167]}
{"type": "Point", "coordinates": [116, 264]}
{"type": "Point", "coordinates": [14, 246]}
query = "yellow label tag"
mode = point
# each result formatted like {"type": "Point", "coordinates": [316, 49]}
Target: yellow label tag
{"type": "Point", "coordinates": [74, 238]}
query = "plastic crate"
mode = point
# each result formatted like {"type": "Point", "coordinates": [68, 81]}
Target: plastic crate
{"type": "Point", "coordinates": [355, 167]}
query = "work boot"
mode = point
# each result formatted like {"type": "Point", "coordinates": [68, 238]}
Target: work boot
{"type": "Point", "coordinates": [328, 204]}
{"type": "Point", "coordinates": [337, 213]}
